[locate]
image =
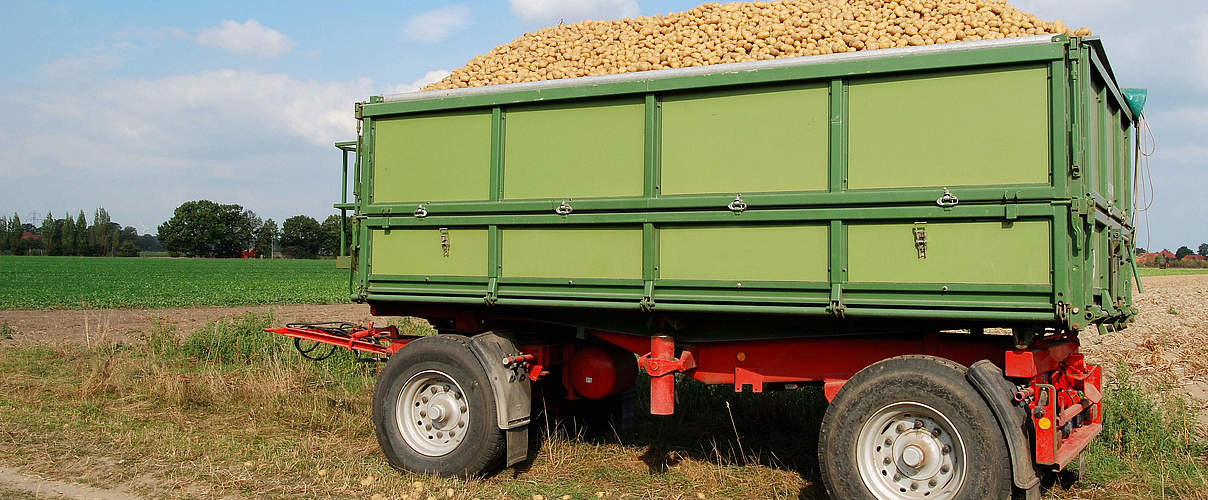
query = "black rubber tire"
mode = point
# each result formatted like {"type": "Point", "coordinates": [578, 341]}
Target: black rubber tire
{"type": "Point", "coordinates": [481, 452]}
{"type": "Point", "coordinates": [935, 382]}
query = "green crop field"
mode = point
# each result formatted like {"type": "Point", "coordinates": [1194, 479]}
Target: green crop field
{"type": "Point", "coordinates": [1153, 271]}
{"type": "Point", "coordinates": [98, 282]}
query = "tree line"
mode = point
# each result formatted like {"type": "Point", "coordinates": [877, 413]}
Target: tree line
{"type": "Point", "coordinates": [203, 228]}
{"type": "Point", "coordinates": [74, 236]}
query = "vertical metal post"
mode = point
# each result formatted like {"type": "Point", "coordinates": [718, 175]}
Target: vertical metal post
{"type": "Point", "coordinates": [343, 200]}
{"type": "Point", "coordinates": [662, 387]}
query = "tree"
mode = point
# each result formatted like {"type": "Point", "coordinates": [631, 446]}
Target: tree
{"type": "Point", "coordinates": [1203, 250]}
{"type": "Point", "coordinates": [331, 234]}
{"type": "Point", "coordinates": [1182, 252]}
{"type": "Point", "coordinates": [203, 228]}
{"type": "Point", "coordinates": [67, 235]}
{"type": "Point", "coordinates": [301, 237]}
{"type": "Point", "coordinates": [81, 236]}
{"type": "Point", "coordinates": [49, 235]}
{"type": "Point", "coordinates": [127, 249]}
{"type": "Point", "coordinates": [148, 243]}
{"type": "Point", "coordinates": [266, 236]}
{"type": "Point", "coordinates": [1142, 250]}
{"type": "Point", "coordinates": [15, 228]}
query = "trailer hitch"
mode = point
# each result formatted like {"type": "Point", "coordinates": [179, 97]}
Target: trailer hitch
{"type": "Point", "coordinates": [379, 341]}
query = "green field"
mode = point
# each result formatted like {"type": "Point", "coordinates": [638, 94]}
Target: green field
{"type": "Point", "coordinates": [99, 282]}
{"type": "Point", "coordinates": [1153, 271]}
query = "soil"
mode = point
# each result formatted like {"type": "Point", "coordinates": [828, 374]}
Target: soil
{"type": "Point", "coordinates": [93, 327]}
{"type": "Point", "coordinates": [1167, 348]}
{"type": "Point", "coordinates": [14, 483]}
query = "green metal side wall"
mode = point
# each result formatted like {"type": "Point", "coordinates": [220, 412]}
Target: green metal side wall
{"type": "Point", "coordinates": [837, 164]}
{"type": "Point", "coordinates": [956, 252]}
{"type": "Point", "coordinates": [745, 141]}
{"type": "Point", "coordinates": [576, 150]}
{"type": "Point", "coordinates": [959, 129]}
{"type": "Point", "coordinates": [434, 157]}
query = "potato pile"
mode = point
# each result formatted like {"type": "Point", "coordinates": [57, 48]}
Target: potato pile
{"type": "Point", "coordinates": [742, 31]}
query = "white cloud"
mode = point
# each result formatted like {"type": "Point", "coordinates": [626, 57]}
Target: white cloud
{"type": "Point", "coordinates": [249, 38]}
{"type": "Point", "coordinates": [437, 24]}
{"type": "Point", "coordinates": [429, 77]}
{"type": "Point", "coordinates": [77, 66]}
{"type": "Point", "coordinates": [569, 11]}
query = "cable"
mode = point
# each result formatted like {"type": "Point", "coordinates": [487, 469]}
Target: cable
{"type": "Point", "coordinates": [1143, 188]}
{"type": "Point", "coordinates": [338, 328]}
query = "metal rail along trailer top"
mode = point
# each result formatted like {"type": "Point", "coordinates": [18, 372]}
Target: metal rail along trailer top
{"type": "Point", "coordinates": [855, 220]}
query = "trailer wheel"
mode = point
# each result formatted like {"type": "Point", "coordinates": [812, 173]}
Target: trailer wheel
{"type": "Point", "coordinates": [434, 410]}
{"type": "Point", "coordinates": [912, 427]}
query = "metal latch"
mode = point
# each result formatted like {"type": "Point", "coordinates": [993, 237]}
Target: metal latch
{"type": "Point", "coordinates": [564, 208]}
{"type": "Point", "coordinates": [920, 239]}
{"type": "Point", "coordinates": [947, 200]}
{"type": "Point", "coordinates": [737, 206]}
{"type": "Point", "coordinates": [420, 212]}
{"type": "Point", "coordinates": [444, 241]}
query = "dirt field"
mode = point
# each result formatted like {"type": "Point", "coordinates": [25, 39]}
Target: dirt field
{"type": "Point", "coordinates": [1167, 349]}
{"type": "Point", "coordinates": [97, 326]}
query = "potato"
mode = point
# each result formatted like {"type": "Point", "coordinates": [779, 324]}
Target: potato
{"type": "Point", "coordinates": [714, 33]}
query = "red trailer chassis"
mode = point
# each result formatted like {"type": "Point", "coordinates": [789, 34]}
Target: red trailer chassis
{"type": "Point", "coordinates": [1059, 391]}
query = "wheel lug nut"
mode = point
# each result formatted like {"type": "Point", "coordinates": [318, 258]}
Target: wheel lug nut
{"type": "Point", "coordinates": [888, 442]}
{"type": "Point", "coordinates": [423, 413]}
{"type": "Point", "coordinates": [461, 408]}
{"type": "Point", "coordinates": [946, 449]}
{"type": "Point", "coordinates": [886, 461]}
{"type": "Point", "coordinates": [944, 469]}
{"type": "Point", "coordinates": [932, 482]}
{"type": "Point", "coordinates": [427, 427]}
{"type": "Point", "coordinates": [914, 485]}
{"type": "Point", "coordinates": [918, 424]}
{"type": "Point", "coordinates": [900, 427]}
{"type": "Point", "coordinates": [897, 477]}
{"type": "Point", "coordinates": [424, 399]}
{"type": "Point", "coordinates": [461, 423]}
{"type": "Point", "coordinates": [935, 433]}
{"type": "Point", "coordinates": [434, 390]}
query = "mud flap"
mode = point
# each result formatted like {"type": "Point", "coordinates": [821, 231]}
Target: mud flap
{"type": "Point", "coordinates": [513, 393]}
{"type": "Point", "coordinates": [998, 392]}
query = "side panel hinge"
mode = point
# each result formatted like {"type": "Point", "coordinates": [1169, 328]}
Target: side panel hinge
{"type": "Point", "coordinates": [836, 307]}
{"type": "Point", "coordinates": [647, 303]}
{"type": "Point", "coordinates": [492, 291]}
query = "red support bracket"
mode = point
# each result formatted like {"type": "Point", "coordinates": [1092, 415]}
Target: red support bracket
{"type": "Point", "coordinates": [662, 365]}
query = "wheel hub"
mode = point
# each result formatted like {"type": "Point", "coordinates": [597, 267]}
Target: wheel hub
{"type": "Point", "coordinates": [909, 450]}
{"type": "Point", "coordinates": [432, 413]}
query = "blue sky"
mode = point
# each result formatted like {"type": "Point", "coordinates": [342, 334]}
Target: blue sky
{"type": "Point", "coordinates": [139, 107]}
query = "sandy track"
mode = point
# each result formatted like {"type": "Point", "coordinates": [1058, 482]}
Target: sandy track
{"type": "Point", "coordinates": [14, 480]}
{"type": "Point", "coordinates": [93, 327]}
{"type": "Point", "coordinates": [1166, 348]}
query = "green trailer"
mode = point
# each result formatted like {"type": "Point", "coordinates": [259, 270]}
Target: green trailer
{"type": "Point", "coordinates": [924, 231]}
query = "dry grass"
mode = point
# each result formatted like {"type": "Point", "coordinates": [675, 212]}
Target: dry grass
{"type": "Point", "coordinates": [179, 419]}
{"type": "Point", "coordinates": [231, 411]}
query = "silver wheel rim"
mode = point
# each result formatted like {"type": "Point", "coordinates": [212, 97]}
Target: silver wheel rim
{"type": "Point", "coordinates": [910, 450]}
{"type": "Point", "coordinates": [432, 413]}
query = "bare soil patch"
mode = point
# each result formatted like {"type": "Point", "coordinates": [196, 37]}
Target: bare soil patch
{"type": "Point", "coordinates": [19, 485]}
{"type": "Point", "coordinates": [1167, 348]}
{"type": "Point", "coordinates": [95, 327]}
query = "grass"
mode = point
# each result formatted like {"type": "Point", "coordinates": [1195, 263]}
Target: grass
{"type": "Point", "coordinates": [1172, 271]}
{"type": "Point", "coordinates": [1149, 447]}
{"type": "Point", "coordinates": [230, 411]}
{"type": "Point", "coordinates": [99, 282]}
